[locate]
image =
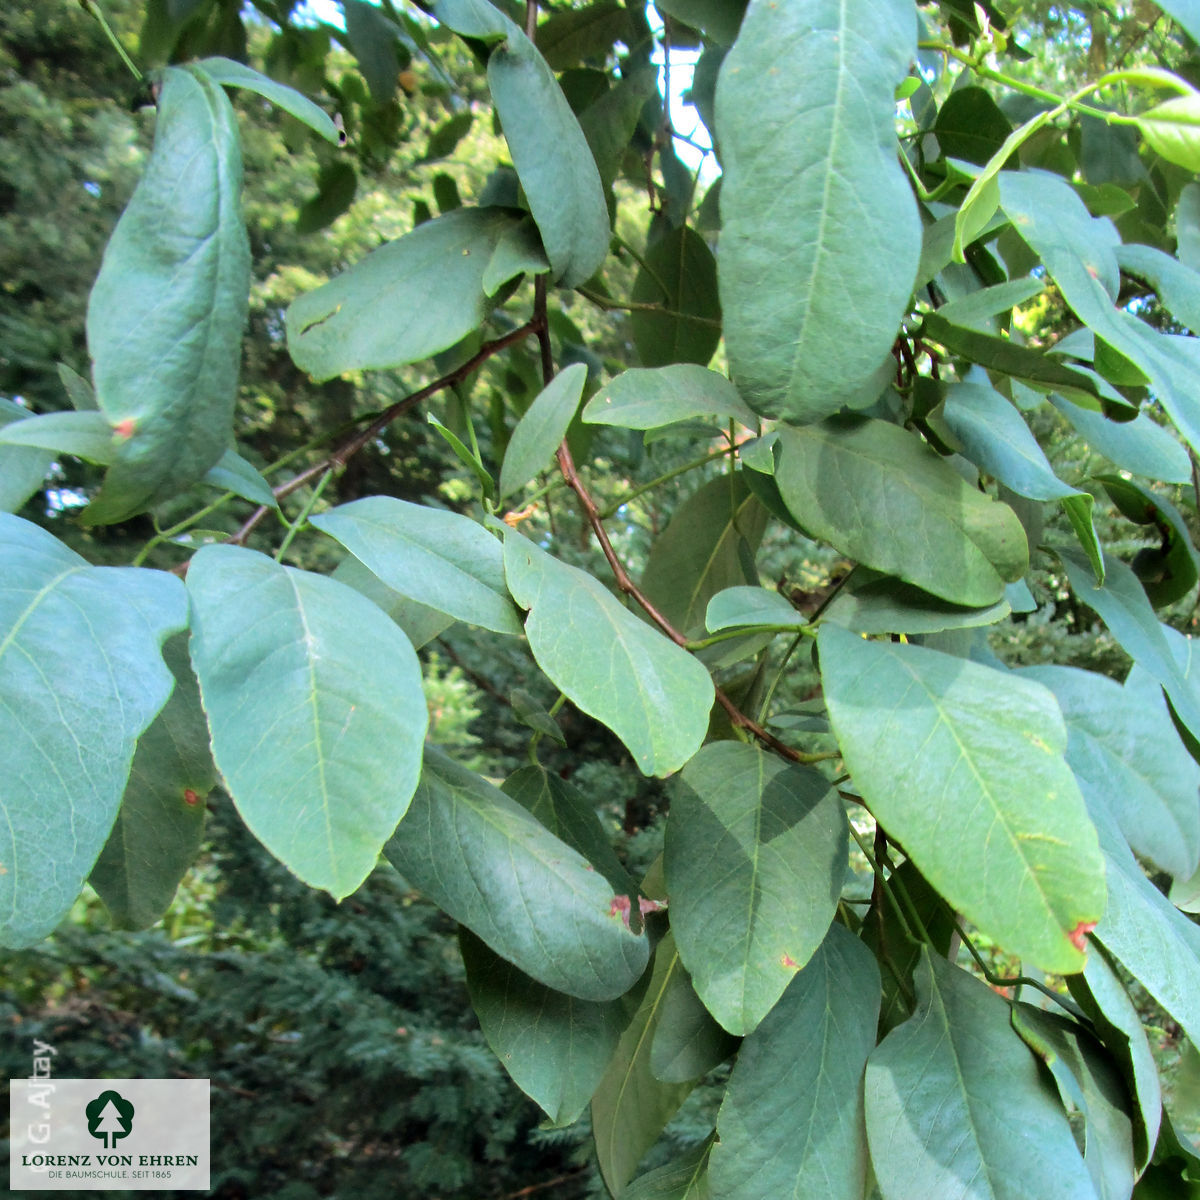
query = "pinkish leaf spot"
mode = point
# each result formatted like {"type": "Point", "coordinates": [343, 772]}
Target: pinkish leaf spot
{"type": "Point", "coordinates": [620, 904]}
{"type": "Point", "coordinates": [125, 428]}
{"type": "Point", "coordinates": [789, 962]}
{"type": "Point", "coordinates": [648, 906]}
{"type": "Point", "coordinates": [1078, 935]}
{"type": "Point", "coordinates": [1092, 271]}
{"type": "Point", "coordinates": [190, 797]}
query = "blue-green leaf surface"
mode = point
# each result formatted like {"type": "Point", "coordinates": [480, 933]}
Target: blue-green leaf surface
{"type": "Point", "coordinates": [1141, 446]}
{"type": "Point", "coordinates": [81, 676]}
{"type": "Point", "coordinates": [935, 742]}
{"type": "Point", "coordinates": [651, 397]}
{"type": "Point", "coordinates": [538, 433]}
{"type": "Point", "coordinates": [229, 73]}
{"type": "Point", "coordinates": [814, 202]}
{"type": "Point", "coordinates": [439, 558]}
{"type": "Point", "coordinates": [791, 1124]}
{"type": "Point", "coordinates": [755, 860]}
{"type": "Point", "coordinates": [165, 317]}
{"type": "Point", "coordinates": [956, 1107]}
{"type": "Point", "coordinates": [316, 710]}
{"type": "Point", "coordinates": [481, 857]}
{"type": "Point", "coordinates": [651, 693]}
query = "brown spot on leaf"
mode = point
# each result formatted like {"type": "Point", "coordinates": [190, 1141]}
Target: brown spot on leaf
{"type": "Point", "coordinates": [125, 428]}
{"type": "Point", "coordinates": [191, 797]}
{"type": "Point", "coordinates": [1078, 935]}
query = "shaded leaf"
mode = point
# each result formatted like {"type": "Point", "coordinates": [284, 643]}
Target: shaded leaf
{"type": "Point", "coordinates": [653, 695]}
{"type": "Point", "coordinates": [881, 496]}
{"type": "Point", "coordinates": [233, 473]}
{"type": "Point", "coordinates": [956, 1107]}
{"type": "Point", "coordinates": [570, 36]}
{"type": "Point", "coordinates": [316, 710]}
{"type": "Point", "coordinates": [719, 19]}
{"type": "Point", "coordinates": [687, 1043]}
{"type": "Point", "coordinates": [814, 202]}
{"type": "Point", "coordinates": [1024, 864]}
{"type": "Point", "coordinates": [81, 676]}
{"type": "Point", "coordinates": [684, 1179]}
{"type": "Point", "coordinates": [337, 184]}
{"type": "Point", "coordinates": [159, 826]}
{"type": "Point", "coordinates": [791, 1124]}
{"type": "Point", "coordinates": [421, 624]}
{"type": "Point", "coordinates": [518, 251]}
{"type": "Point", "coordinates": [874, 603]}
{"type": "Point", "coordinates": [678, 273]}
{"type": "Point", "coordinates": [482, 858]}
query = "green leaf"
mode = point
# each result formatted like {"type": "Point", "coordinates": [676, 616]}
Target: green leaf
{"type": "Point", "coordinates": [565, 812]}
{"type": "Point", "coordinates": [1024, 864]}
{"type": "Point", "coordinates": [879, 495]}
{"type": "Point", "coordinates": [1038, 370]}
{"type": "Point", "coordinates": [688, 1043]}
{"type": "Point", "coordinates": [482, 858]}
{"type": "Point", "coordinates": [22, 468]}
{"type": "Point", "coordinates": [87, 435]}
{"type": "Point", "coordinates": [429, 281]}
{"type": "Point", "coordinates": [609, 123]}
{"type": "Point", "coordinates": [1103, 997]}
{"type": "Point", "coordinates": [1130, 762]}
{"type": "Point", "coordinates": [569, 37]}
{"type": "Point", "coordinates": [814, 203]}
{"type": "Point", "coordinates": [316, 710]}
{"type": "Point", "coordinates": [735, 606]}
{"type": "Point", "coordinates": [234, 474]}
{"type": "Point", "coordinates": [631, 1107]}
{"type": "Point", "coordinates": [874, 603]}
{"type": "Point", "coordinates": [1122, 605]}
{"type": "Point", "coordinates": [421, 624]}
{"type": "Point", "coordinates": [81, 676]}
{"type": "Point", "coordinates": [159, 826]}
{"type": "Point", "coordinates": [971, 126]}
{"type": "Point", "coordinates": [469, 458]}
{"type": "Point", "coordinates": [1088, 1083]}
{"type": "Point", "coordinates": [791, 1124]}
{"type": "Point", "coordinates": [1141, 446]}
{"type": "Point", "coordinates": [1177, 286]}
{"type": "Point", "coordinates": [443, 141]}
{"type": "Point", "coordinates": [678, 273]}
{"type": "Point", "coordinates": [956, 1107]}
{"type": "Point", "coordinates": [548, 148]}
{"type": "Point", "coordinates": [518, 252]}
{"type": "Point", "coordinates": [165, 316]}
{"type": "Point", "coordinates": [372, 38]}
{"type": "Point", "coordinates": [653, 695]}
{"type": "Point", "coordinates": [719, 19]}
{"type": "Point", "coordinates": [235, 74]}
{"type": "Point", "coordinates": [555, 1047]}
{"type": "Point", "coordinates": [702, 550]}
{"type": "Point", "coordinates": [755, 861]}
{"type": "Point", "coordinates": [539, 432]}
{"type": "Point", "coordinates": [684, 1179]}
{"type": "Point", "coordinates": [337, 184]}
{"type": "Point", "coordinates": [1172, 129]}
{"type": "Point", "coordinates": [439, 558]}
{"type": "Point", "coordinates": [1148, 935]}
{"type": "Point", "coordinates": [650, 398]}
{"type": "Point", "coordinates": [977, 310]}
{"type": "Point", "coordinates": [995, 437]}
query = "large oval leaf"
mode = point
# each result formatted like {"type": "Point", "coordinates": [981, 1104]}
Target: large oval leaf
{"type": "Point", "coordinates": [755, 861]}
{"type": "Point", "coordinates": [81, 676]}
{"type": "Point", "coordinates": [791, 1124]}
{"type": "Point", "coordinates": [653, 695]}
{"type": "Point", "coordinates": [430, 283]}
{"type": "Point", "coordinates": [315, 704]}
{"type": "Point", "coordinates": [480, 856]}
{"type": "Point", "coordinates": [956, 1106]}
{"type": "Point", "coordinates": [880, 495]}
{"type": "Point", "coordinates": [938, 743]}
{"type": "Point", "coordinates": [820, 237]}
{"type": "Point", "coordinates": [439, 558]}
{"type": "Point", "coordinates": [165, 317]}
{"type": "Point", "coordinates": [158, 830]}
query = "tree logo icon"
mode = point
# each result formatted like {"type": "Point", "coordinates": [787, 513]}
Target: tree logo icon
{"type": "Point", "coordinates": [109, 1117]}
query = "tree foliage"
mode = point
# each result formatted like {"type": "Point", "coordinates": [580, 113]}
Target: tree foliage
{"type": "Point", "coordinates": [926, 350]}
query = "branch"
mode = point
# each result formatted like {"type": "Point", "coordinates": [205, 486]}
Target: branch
{"type": "Point", "coordinates": [352, 445]}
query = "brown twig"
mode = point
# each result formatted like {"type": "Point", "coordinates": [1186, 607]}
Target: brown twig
{"type": "Point", "coordinates": [566, 464]}
{"type": "Point", "coordinates": [541, 1187]}
{"type": "Point", "coordinates": [352, 445]}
